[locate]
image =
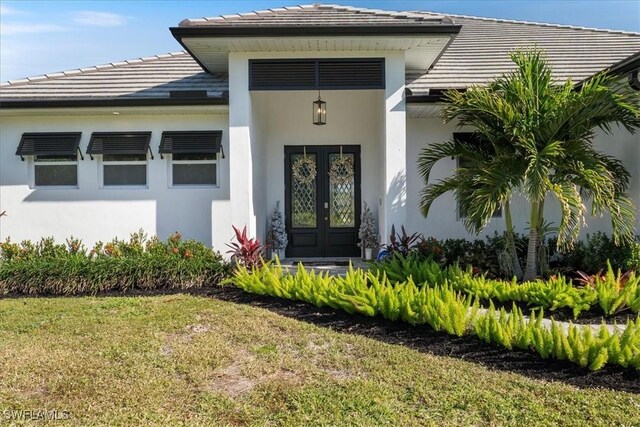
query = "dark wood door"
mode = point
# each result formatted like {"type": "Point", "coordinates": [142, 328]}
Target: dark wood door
{"type": "Point", "coordinates": [322, 200]}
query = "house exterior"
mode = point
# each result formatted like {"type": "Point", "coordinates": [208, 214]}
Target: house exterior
{"type": "Point", "coordinates": [221, 133]}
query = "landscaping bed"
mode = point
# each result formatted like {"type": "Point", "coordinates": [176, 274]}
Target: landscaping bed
{"type": "Point", "coordinates": [427, 340]}
{"type": "Point", "coordinates": [610, 293]}
{"type": "Point", "coordinates": [443, 308]}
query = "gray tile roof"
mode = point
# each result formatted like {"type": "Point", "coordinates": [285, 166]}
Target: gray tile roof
{"type": "Point", "coordinates": [480, 52]}
{"type": "Point", "coordinates": [142, 78]}
{"type": "Point", "coordinates": [477, 55]}
{"type": "Point", "coordinates": [318, 15]}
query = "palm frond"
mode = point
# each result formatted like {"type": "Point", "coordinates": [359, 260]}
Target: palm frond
{"type": "Point", "coordinates": [573, 214]}
{"type": "Point", "coordinates": [432, 153]}
{"type": "Point", "coordinates": [432, 191]}
{"type": "Point", "coordinates": [623, 214]}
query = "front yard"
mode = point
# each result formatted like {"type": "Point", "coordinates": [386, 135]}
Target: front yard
{"type": "Point", "coordinates": [194, 360]}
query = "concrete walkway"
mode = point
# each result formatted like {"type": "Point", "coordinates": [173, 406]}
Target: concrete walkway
{"type": "Point", "coordinates": [334, 266]}
{"type": "Point", "coordinates": [546, 323]}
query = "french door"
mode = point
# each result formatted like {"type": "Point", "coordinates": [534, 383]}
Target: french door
{"type": "Point", "coordinates": [322, 200]}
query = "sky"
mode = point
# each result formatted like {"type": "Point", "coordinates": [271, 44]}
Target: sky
{"type": "Point", "coordinates": [46, 36]}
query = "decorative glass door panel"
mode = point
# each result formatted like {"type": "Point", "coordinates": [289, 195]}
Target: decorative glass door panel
{"type": "Point", "coordinates": [303, 191]}
{"type": "Point", "coordinates": [322, 200]}
{"type": "Point", "coordinates": [342, 210]}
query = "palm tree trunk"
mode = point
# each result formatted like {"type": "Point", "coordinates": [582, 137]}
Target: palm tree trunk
{"type": "Point", "coordinates": [540, 221]}
{"type": "Point", "coordinates": [510, 240]}
{"type": "Point", "coordinates": [531, 270]}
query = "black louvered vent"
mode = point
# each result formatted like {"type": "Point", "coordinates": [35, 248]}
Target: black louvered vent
{"type": "Point", "coordinates": [119, 143]}
{"type": "Point", "coordinates": [314, 74]}
{"type": "Point", "coordinates": [282, 74]}
{"type": "Point", "coordinates": [49, 144]}
{"type": "Point", "coordinates": [351, 74]}
{"type": "Point", "coordinates": [191, 142]}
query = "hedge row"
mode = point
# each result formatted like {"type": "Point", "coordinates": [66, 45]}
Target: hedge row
{"type": "Point", "coordinates": [48, 268]}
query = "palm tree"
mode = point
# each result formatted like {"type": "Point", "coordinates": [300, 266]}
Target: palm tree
{"type": "Point", "coordinates": [536, 138]}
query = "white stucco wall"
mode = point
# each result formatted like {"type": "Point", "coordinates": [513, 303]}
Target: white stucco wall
{"type": "Point", "coordinates": [353, 118]}
{"type": "Point", "coordinates": [443, 220]}
{"type": "Point", "coordinates": [251, 178]}
{"type": "Point", "coordinates": [96, 214]}
{"type": "Point", "coordinates": [262, 123]}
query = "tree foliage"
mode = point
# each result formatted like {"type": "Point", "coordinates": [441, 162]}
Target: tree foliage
{"type": "Point", "coordinates": [537, 139]}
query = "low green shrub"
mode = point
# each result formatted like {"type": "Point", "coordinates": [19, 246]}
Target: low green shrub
{"type": "Point", "coordinates": [632, 261]}
{"type": "Point", "coordinates": [49, 268]}
{"type": "Point", "coordinates": [609, 292]}
{"type": "Point", "coordinates": [589, 255]}
{"type": "Point", "coordinates": [445, 309]}
{"type": "Point", "coordinates": [592, 254]}
{"type": "Point", "coordinates": [482, 255]}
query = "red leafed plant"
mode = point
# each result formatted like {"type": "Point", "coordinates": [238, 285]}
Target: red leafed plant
{"type": "Point", "coordinates": [246, 251]}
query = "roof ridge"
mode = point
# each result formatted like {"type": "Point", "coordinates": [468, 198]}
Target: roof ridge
{"type": "Point", "coordinates": [376, 12]}
{"type": "Point", "coordinates": [85, 70]}
{"type": "Point", "coordinates": [541, 24]}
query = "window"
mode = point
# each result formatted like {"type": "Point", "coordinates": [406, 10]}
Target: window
{"type": "Point", "coordinates": [60, 171]}
{"type": "Point", "coordinates": [194, 169]}
{"type": "Point", "coordinates": [124, 169]}
{"type": "Point", "coordinates": [124, 157]}
{"type": "Point", "coordinates": [55, 158]}
{"type": "Point", "coordinates": [194, 157]}
{"type": "Point", "coordinates": [472, 138]}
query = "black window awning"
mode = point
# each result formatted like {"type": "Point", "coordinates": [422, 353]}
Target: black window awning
{"type": "Point", "coordinates": [119, 143]}
{"type": "Point", "coordinates": [49, 144]}
{"type": "Point", "coordinates": [191, 142]}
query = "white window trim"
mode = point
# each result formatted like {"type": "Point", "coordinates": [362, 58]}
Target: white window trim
{"type": "Point", "coordinates": [459, 217]}
{"type": "Point", "coordinates": [171, 162]}
{"type": "Point", "coordinates": [31, 165]}
{"type": "Point", "coordinates": [102, 163]}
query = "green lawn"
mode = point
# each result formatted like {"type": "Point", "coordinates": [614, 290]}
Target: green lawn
{"type": "Point", "coordinates": [178, 359]}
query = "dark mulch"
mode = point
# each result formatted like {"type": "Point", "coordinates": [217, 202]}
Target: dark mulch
{"type": "Point", "coordinates": [420, 338]}
{"type": "Point", "coordinates": [426, 340]}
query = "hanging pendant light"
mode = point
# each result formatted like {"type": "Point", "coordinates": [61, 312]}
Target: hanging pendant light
{"type": "Point", "coordinates": [319, 111]}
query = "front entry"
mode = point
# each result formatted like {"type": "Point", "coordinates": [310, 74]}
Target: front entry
{"type": "Point", "coordinates": [322, 200]}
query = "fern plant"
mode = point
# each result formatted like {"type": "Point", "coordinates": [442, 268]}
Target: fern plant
{"type": "Point", "coordinates": [444, 308]}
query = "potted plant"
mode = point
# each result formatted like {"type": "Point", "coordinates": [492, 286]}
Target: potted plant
{"type": "Point", "coordinates": [277, 233]}
{"type": "Point", "coordinates": [367, 233]}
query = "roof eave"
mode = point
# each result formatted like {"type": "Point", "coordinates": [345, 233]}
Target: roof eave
{"type": "Point", "coordinates": [111, 102]}
{"type": "Point", "coordinates": [627, 65]}
{"type": "Point", "coordinates": [311, 30]}
{"type": "Point", "coordinates": [179, 33]}
{"type": "Point", "coordinates": [434, 95]}
{"type": "Point", "coordinates": [424, 99]}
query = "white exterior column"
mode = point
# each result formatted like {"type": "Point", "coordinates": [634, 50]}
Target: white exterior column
{"type": "Point", "coordinates": [240, 145]}
{"type": "Point", "coordinates": [393, 195]}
